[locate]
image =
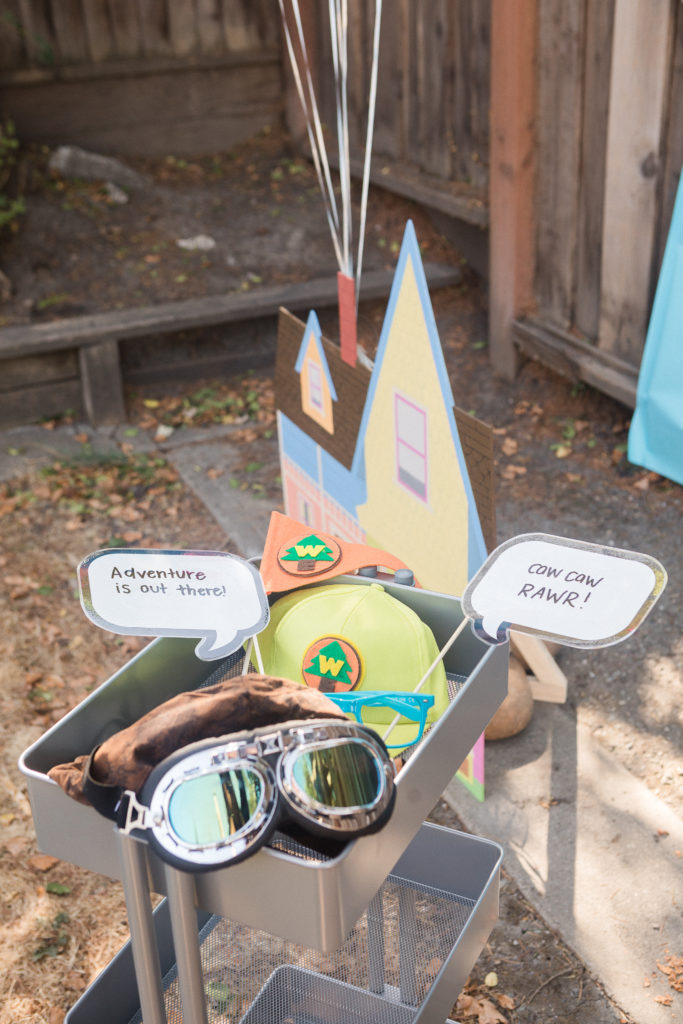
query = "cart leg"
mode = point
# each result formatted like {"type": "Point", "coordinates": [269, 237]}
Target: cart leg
{"type": "Point", "coordinates": [142, 934]}
{"type": "Point", "coordinates": [406, 945]}
{"type": "Point", "coordinates": [376, 943]}
{"type": "Point", "coordinates": [181, 901]}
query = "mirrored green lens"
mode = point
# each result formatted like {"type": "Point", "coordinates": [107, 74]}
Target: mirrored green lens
{"type": "Point", "coordinates": [346, 775]}
{"type": "Point", "coordinates": [211, 808]}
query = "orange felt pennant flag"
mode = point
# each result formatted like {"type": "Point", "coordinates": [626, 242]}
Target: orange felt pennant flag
{"type": "Point", "coordinates": [295, 554]}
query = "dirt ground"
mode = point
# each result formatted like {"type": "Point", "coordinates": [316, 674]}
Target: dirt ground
{"type": "Point", "coordinates": [76, 251]}
{"type": "Point", "coordinates": [560, 451]}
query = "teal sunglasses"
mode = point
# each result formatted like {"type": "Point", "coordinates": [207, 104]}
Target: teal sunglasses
{"type": "Point", "coordinates": [366, 707]}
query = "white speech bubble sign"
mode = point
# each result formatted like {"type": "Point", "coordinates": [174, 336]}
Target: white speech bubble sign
{"type": "Point", "coordinates": [150, 592]}
{"type": "Point", "coordinates": [555, 588]}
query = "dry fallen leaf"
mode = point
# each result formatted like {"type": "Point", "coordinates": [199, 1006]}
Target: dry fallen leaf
{"type": "Point", "coordinates": [507, 1002]}
{"type": "Point", "coordinates": [511, 472]}
{"type": "Point", "coordinates": [42, 862]}
{"type": "Point", "coordinates": [16, 846]}
{"type": "Point", "coordinates": [664, 1000]}
{"type": "Point", "coordinates": [509, 446]}
{"type": "Point", "coordinates": [673, 968]}
{"type": "Point", "coordinates": [483, 1009]}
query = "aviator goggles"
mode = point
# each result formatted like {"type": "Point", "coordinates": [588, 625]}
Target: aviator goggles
{"type": "Point", "coordinates": [378, 709]}
{"type": "Point", "coordinates": [218, 801]}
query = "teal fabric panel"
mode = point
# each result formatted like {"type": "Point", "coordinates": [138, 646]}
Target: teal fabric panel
{"type": "Point", "coordinates": [656, 435]}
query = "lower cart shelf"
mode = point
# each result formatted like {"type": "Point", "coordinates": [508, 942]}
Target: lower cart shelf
{"type": "Point", "coordinates": [403, 962]}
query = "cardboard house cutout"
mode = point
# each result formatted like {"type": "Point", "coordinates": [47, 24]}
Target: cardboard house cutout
{"type": "Point", "coordinates": [377, 453]}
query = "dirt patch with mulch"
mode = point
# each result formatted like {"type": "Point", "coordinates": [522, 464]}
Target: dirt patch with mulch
{"type": "Point", "coordinates": [226, 223]}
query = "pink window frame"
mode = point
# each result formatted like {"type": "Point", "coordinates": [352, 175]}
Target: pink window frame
{"type": "Point", "coordinates": [402, 443]}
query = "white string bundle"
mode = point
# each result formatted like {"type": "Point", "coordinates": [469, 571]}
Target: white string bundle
{"type": "Point", "coordinates": [342, 232]}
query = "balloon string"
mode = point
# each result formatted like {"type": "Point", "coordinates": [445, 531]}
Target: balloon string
{"type": "Point", "coordinates": [372, 102]}
{"type": "Point", "coordinates": [319, 156]}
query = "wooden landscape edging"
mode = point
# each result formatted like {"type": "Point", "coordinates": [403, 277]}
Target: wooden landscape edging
{"type": "Point", "coordinates": [89, 372]}
{"type": "Point", "coordinates": [577, 359]}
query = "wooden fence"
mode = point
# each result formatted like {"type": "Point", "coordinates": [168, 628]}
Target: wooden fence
{"type": "Point", "coordinates": [559, 121]}
{"type": "Point", "coordinates": [609, 154]}
{"type": "Point", "coordinates": [51, 34]}
{"type": "Point", "coordinates": [584, 158]}
{"type": "Point", "coordinates": [142, 77]}
{"type": "Point", "coordinates": [431, 136]}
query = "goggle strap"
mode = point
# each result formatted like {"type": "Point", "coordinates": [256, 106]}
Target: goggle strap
{"type": "Point", "coordinates": [131, 814]}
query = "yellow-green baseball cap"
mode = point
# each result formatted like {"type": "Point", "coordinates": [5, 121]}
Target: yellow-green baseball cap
{"type": "Point", "coordinates": [348, 637]}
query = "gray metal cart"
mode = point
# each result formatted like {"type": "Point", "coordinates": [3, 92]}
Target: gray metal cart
{"type": "Point", "coordinates": [385, 931]}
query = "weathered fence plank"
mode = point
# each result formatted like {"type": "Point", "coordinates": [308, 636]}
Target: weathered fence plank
{"type": "Point", "coordinates": [11, 45]}
{"type": "Point", "coordinates": [597, 66]}
{"type": "Point", "coordinates": [67, 18]}
{"type": "Point", "coordinates": [640, 55]}
{"type": "Point", "coordinates": [98, 31]}
{"type": "Point", "coordinates": [471, 57]}
{"type": "Point", "coordinates": [36, 32]}
{"type": "Point", "coordinates": [561, 29]}
{"type": "Point", "coordinates": [154, 22]}
{"type": "Point", "coordinates": [513, 55]}
{"type": "Point", "coordinates": [673, 148]}
{"type": "Point", "coordinates": [433, 73]}
{"type": "Point", "coordinates": [125, 21]}
{"type": "Point", "coordinates": [241, 25]}
{"type": "Point", "coordinates": [390, 86]}
{"type": "Point", "coordinates": [182, 27]}
{"type": "Point", "coordinates": [210, 26]}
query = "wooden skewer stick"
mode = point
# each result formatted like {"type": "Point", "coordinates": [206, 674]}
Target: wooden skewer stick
{"type": "Point", "coordinates": [442, 653]}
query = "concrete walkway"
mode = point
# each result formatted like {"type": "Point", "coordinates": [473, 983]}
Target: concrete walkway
{"type": "Point", "coordinates": [595, 852]}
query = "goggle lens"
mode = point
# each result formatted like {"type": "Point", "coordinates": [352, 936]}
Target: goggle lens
{"type": "Point", "coordinates": [211, 808]}
{"type": "Point", "coordinates": [346, 775]}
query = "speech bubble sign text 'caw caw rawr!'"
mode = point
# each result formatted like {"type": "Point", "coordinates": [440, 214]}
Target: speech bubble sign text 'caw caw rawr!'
{"type": "Point", "coordinates": [150, 592]}
{"type": "Point", "coordinates": [578, 594]}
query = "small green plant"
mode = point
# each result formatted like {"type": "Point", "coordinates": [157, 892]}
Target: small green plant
{"type": "Point", "coordinates": [11, 207]}
{"type": "Point", "coordinates": [56, 938]}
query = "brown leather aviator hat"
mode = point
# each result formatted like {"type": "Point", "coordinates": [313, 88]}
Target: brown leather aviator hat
{"type": "Point", "coordinates": [244, 702]}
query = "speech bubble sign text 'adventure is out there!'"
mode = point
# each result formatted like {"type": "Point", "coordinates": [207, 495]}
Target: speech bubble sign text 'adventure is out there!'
{"type": "Point", "coordinates": [579, 594]}
{"type": "Point", "coordinates": [149, 592]}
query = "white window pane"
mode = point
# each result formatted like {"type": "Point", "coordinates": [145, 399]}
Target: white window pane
{"type": "Point", "coordinates": [410, 425]}
{"type": "Point", "coordinates": [412, 463]}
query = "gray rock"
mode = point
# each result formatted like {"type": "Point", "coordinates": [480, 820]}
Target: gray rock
{"type": "Point", "coordinates": [198, 243]}
{"type": "Point", "coordinates": [73, 162]}
{"type": "Point", "coordinates": [116, 194]}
